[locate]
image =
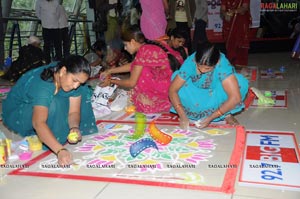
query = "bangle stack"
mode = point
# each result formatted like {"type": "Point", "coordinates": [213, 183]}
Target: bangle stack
{"type": "Point", "coordinates": [219, 112]}
{"type": "Point", "coordinates": [177, 106]}
{"type": "Point", "coordinates": [60, 150]}
{"type": "Point", "coordinates": [74, 127]}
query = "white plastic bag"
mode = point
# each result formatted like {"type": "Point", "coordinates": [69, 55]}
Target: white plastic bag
{"type": "Point", "coordinates": [101, 95]}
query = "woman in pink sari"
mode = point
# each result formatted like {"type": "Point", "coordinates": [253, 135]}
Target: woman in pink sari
{"type": "Point", "coordinates": [150, 72]}
{"type": "Point", "coordinates": [153, 19]}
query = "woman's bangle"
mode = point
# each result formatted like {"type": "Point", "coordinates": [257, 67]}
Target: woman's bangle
{"type": "Point", "coordinates": [74, 127]}
{"type": "Point", "coordinates": [219, 112]}
{"type": "Point", "coordinates": [177, 106]}
{"type": "Point", "coordinates": [60, 150]}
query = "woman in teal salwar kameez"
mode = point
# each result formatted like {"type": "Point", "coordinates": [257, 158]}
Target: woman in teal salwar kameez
{"type": "Point", "coordinates": [52, 101]}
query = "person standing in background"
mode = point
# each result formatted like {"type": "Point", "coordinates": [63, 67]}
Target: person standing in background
{"type": "Point", "coordinates": [180, 17]}
{"type": "Point", "coordinates": [112, 34]}
{"type": "Point", "coordinates": [48, 12]}
{"type": "Point", "coordinates": [107, 21]}
{"type": "Point", "coordinates": [200, 21]}
{"type": "Point", "coordinates": [236, 21]}
{"type": "Point", "coordinates": [153, 18]}
{"type": "Point", "coordinates": [64, 30]}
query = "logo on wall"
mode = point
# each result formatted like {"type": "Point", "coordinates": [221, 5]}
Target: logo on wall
{"type": "Point", "coordinates": [279, 7]}
{"type": "Point", "coordinates": [214, 3]}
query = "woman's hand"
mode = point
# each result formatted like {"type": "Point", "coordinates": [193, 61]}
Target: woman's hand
{"type": "Point", "coordinates": [203, 123]}
{"type": "Point", "coordinates": [103, 75]}
{"type": "Point", "coordinates": [106, 81]}
{"type": "Point", "coordinates": [184, 123]}
{"type": "Point", "coordinates": [64, 157]}
{"type": "Point", "coordinates": [74, 135]}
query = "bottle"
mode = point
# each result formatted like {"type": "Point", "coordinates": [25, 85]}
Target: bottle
{"type": "Point", "coordinates": [3, 152]}
{"type": "Point", "coordinates": [7, 63]}
{"type": "Point", "coordinates": [282, 69]}
{"type": "Point", "coordinates": [270, 72]}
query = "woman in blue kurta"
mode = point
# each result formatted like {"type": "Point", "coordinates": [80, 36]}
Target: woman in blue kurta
{"type": "Point", "coordinates": [207, 88]}
{"type": "Point", "coordinates": [51, 101]}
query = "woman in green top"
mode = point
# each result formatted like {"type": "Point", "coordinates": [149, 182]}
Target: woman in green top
{"type": "Point", "coordinates": [51, 101]}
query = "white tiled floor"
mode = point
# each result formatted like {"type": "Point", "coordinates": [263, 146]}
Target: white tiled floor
{"type": "Point", "coordinates": [16, 187]}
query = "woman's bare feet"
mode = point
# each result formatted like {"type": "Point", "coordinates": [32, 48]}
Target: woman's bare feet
{"type": "Point", "coordinates": [231, 120]}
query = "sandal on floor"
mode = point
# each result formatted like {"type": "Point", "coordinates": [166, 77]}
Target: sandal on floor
{"type": "Point", "coordinates": [231, 120]}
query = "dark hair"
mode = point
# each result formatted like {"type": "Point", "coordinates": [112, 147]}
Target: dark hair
{"type": "Point", "coordinates": [99, 45]}
{"type": "Point", "coordinates": [175, 33]}
{"type": "Point", "coordinates": [74, 64]}
{"type": "Point", "coordinates": [207, 54]}
{"type": "Point", "coordinates": [178, 34]}
{"type": "Point", "coordinates": [182, 52]}
{"type": "Point", "coordinates": [134, 32]}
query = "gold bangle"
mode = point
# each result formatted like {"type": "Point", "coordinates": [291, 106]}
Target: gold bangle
{"type": "Point", "coordinates": [177, 106]}
{"type": "Point", "coordinates": [219, 112]}
{"type": "Point", "coordinates": [74, 127]}
{"type": "Point", "coordinates": [60, 150]}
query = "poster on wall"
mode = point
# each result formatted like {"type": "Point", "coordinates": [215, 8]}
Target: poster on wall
{"type": "Point", "coordinates": [255, 13]}
{"type": "Point", "coordinates": [215, 21]}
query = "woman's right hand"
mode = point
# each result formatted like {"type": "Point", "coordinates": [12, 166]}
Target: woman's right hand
{"type": "Point", "coordinates": [106, 81]}
{"type": "Point", "coordinates": [103, 75]}
{"type": "Point", "coordinates": [184, 123]}
{"type": "Point", "coordinates": [64, 158]}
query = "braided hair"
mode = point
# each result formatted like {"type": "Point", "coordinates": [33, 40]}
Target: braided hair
{"type": "Point", "coordinates": [174, 63]}
{"type": "Point", "coordinates": [134, 32]}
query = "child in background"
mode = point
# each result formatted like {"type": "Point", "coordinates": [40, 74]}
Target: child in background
{"type": "Point", "coordinates": [108, 57]}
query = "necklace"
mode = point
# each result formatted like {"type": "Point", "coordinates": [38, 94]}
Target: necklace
{"type": "Point", "coordinates": [56, 84]}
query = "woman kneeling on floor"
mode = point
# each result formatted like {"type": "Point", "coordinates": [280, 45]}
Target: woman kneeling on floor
{"type": "Point", "coordinates": [150, 72]}
{"type": "Point", "coordinates": [52, 101]}
{"type": "Point", "coordinates": [207, 88]}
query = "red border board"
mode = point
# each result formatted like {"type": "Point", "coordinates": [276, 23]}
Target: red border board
{"type": "Point", "coordinates": [276, 75]}
{"type": "Point", "coordinates": [271, 160]}
{"type": "Point", "coordinates": [280, 100]}
{"type": "Point", "coordinates": [159, 118]}
{"type": "Point", "coordinates": [250, 72]}
{"type": "Point", "coordinates": [226, 184]}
